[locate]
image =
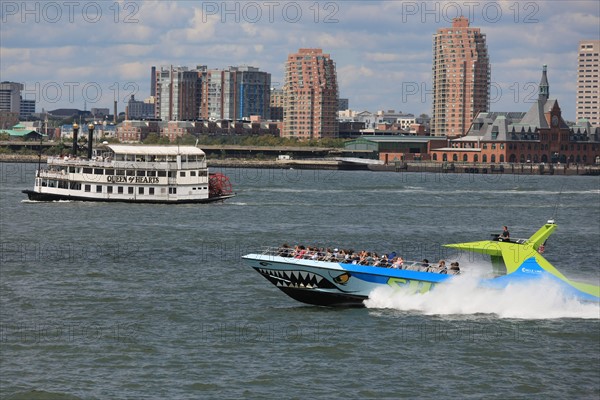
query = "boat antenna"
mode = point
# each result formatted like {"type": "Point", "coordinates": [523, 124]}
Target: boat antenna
{"type": "Point", "coordinates": [555, 213]}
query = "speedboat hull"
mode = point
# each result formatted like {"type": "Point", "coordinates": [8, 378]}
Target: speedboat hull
{"type": "Point", "coordinates": [336, 284]}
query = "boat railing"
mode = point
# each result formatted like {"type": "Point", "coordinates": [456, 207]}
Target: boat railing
{"type": "Point", "coordinates": [108, 162]}
{"type": "Point", "coordinates": [379, 262]}
{"type": "Point", "coordinates": [52, 173]}
{"type": "Point", "coordinates": [68, 161]}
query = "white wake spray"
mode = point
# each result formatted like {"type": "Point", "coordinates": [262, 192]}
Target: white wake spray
{"type": "Point", "coordinates": [540, 299]}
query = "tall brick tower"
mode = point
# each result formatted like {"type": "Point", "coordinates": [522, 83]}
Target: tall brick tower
{"type": "Point", "coordinates": [310, 96]}
{"type": "Point", "coordinates": [461, 78]}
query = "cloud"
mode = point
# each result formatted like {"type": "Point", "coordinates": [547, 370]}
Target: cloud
{"type": "Point", "coordinates": [377, 45]}
{"type": "Point", "coordinates": [383, 57]}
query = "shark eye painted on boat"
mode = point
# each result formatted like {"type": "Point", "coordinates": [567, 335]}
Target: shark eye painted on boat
{"type": "Point", "coordinates": [342, 279]}
{"type": "Point", "coordinates": [264, 264]}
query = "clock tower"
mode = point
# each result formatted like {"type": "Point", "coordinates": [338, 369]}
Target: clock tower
{"type": "Point", "coordinates": [544, 88]}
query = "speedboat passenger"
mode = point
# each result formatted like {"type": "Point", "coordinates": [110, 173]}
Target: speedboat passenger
{"type": "Point", "coordinates": [442, 267]}
{"type": "Point", "coordinates": [454, 269]}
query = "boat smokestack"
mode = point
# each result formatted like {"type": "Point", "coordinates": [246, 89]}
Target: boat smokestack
{"type": "Point", "coordinates": [90, 140]}
{"type": "Point", "coordinates": [75, 131]}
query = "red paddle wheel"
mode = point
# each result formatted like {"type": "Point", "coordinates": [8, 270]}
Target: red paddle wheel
{"type": "Point", "coordinates": [219, 185]}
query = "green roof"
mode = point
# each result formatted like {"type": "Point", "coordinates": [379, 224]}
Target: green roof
{"type": "Point", "coordinates": [20, 132]}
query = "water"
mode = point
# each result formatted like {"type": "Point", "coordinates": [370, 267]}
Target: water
{"type": "Point", "coordinates": [152, 301]}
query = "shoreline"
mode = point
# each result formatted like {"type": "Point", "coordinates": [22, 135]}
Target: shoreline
{"type": "Point", "coordinates": [324, 164]}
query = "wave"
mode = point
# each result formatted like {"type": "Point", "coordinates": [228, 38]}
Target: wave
{"type": "Point", "coordinates": [52, 201]}
{"type": "Point", "coordinates": [421, 190]}
{"type": "Point", "coordinates": [541, 299]}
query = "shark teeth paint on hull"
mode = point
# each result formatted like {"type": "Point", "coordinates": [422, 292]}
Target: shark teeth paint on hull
{"type": "Point", "coordinates": [295, 279]}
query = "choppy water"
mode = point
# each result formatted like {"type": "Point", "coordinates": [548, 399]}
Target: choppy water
{"type": "Point", "coordinates": [103, 301]}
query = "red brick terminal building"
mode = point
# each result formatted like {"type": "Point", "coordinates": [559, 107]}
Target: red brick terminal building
{"type": "Point", "coordinates": [538, 136]}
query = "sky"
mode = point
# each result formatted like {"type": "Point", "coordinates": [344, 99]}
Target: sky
{"type": "Point", "coordinates": [71, 54]}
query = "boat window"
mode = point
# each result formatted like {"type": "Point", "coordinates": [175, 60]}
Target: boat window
{"type": "Point", "coordinates": [87, 170]}
{"type": "Point", "coordinates": [110, 171]}
{"type": "Point", "coordinates": [98, 188]}
{"type": "Point", "coordinates": [75, 186]}
{"type": "Point", "coordinates": [192, 173]}
{"type": "Point", "coordinates": [120, 172]}
{"type": "Point", "coordinates": [151, 173]}
{"type": "Point", "coordinates": [182, 174]}
{"type": "Point", "coordinates": [88, 188]}
{"type": "Point", "coordinates": [162, 190]}
{"type": "Point", "coordinates": [202, 173]}
{"type": "Point", "coordinates": [141, 173]}
{"type": "Point", "coordinates": [72, 170]}
{"type": "Point", "coordinates": [151, 191]}
{"type": "Point", "coordinates": [130, 190]}
{"type": "Point", "coordinates": [172, 190]}
{"type": "Point", "coordinates": [130, 172]}
{"type": "Point", "coordinates": [162, 173]}
{"type": "Point", "coordinates": [109, 189]}
{"type": "Point", "coordinates": [98, 171]}
{"type": "Point", "coordinates": [120, 189]}
{"type": "Point", "coordinates": [140, 190]}
{"type": "Point", "coordinates": [171, 174]}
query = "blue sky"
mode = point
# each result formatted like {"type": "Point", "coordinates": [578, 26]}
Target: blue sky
{"type": "Point", "coordinates": [66, 52]}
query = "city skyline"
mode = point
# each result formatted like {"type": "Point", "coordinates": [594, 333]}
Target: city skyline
{"type": "Point", "coordinates": [383, 50]}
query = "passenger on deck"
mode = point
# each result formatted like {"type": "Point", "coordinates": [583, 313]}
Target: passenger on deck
{"type": "Point", "coordinates": [425, 266]}
{"type": "Point", "coordinates": [505, 235]}
{"type": "Point", "coordinates": [441, 268]}
{"type": "Point", "coordinates": [285, 250]}
{"type": "Point", "coordinates": [454, 269]}
{"type": "Point", "coordinates": [300, 252]}
{"type": "Point", "coordinates": [336, 253]}
{"type": "Point", "coordinates": [398, 263]}
{"type": "Point", "coordinates": [328, 256]}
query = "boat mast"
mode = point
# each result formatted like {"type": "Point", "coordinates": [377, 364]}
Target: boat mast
{"type": "Point", "coordinates": [40, 154]}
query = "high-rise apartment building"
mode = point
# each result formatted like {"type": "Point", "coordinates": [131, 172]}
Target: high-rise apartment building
{"type": "Point", "coordinates": [311, 96]}
{"type": "Point", "coordinates": [588, 84]}
{"type": "Point", "coordinates": [461, 78]}
{"type": "Point", "coordinates": [178, 93]}
{"type": "Point", "coordinates": [27, 108]}
{"type": "Point", "coordinates": [10, 96]}
{"type": "Point", "coordinates": [153, 81]}
{"type": "Point", "coordinates": [343, 104]}
{"type": "Point", "coordinates": [277, 101]}
{"type": "Point", "coordinates": [137, 109]}
{"type": "Point", "coordinates": [235, 93]}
